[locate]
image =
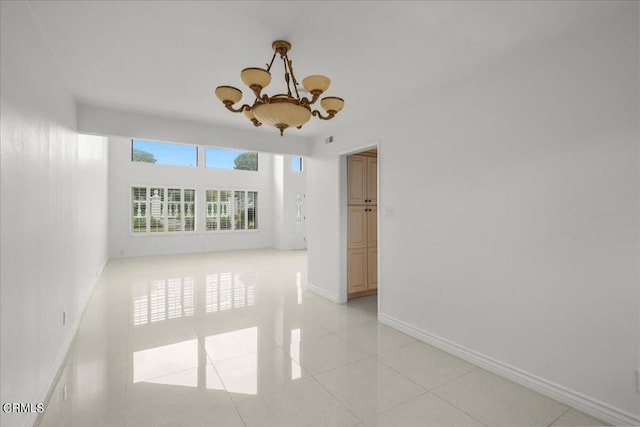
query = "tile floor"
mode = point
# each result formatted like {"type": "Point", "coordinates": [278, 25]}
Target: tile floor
{"type": "Point", "coordinates": [234, 339]}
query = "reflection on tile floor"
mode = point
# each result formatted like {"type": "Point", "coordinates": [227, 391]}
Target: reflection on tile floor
{"type": "Point", "coordinates": [234, 339]}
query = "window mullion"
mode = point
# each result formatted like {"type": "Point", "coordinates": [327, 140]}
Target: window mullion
{"type": "Point", "coordinates": [233, 210]}
{"type": "Point", "coordinates": [165, 211]}
{"type": "Point", "coordinates": [183, 211]}
{"type": "Point", "coordinates": [147, 213]}
{"type": "Point", "coordinates": [246, 210]}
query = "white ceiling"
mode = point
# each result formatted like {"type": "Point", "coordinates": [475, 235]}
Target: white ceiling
{"type": "Point", "coordinates": [166, 58]}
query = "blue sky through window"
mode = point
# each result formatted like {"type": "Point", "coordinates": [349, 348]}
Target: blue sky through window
{"type": "Point", "coordinates": [167, 153]}
{"type": "Point", "coordinates": [296, 164]}
{"type": "Point", "coordinates": [221, 158]}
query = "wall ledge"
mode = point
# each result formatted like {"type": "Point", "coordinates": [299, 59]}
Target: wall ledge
{"type": "Point", "coordinates": [97, 120]}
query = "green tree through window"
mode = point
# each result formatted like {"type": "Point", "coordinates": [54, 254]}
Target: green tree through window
{"type": "Point", "coordinates": [142, 156]}
{"type": "Point", "coordinates": [246, 161]}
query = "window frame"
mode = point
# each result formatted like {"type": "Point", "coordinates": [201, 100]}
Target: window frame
{"type": "Point", "coordinates": [300, 164]}
{"type": "Point", "coordinates": [239, 151]}
{"type": "Point", "coordinates": [196, 146]}
{"type": "Point", "coordinates": [215, 207]}
{"type": "Point", "coordinates": [165, 210]}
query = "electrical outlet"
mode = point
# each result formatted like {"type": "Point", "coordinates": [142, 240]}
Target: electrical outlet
{"type": "Point", "coordinates": [64, 393]}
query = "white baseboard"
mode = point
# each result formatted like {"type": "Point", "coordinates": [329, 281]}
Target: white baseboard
{"type": "Point", "coordinates": [575, 399]}
{"type": "Point", "coordinates": [324, 294]}
{"type": "Point", "coordinates": [56, 367]}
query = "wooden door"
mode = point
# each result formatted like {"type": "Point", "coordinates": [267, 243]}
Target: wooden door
{"type": "Point", "coordinates": [357, 179]}
{"type": "Point", "coordinates": [372, 227]}
{"type": "Point", "coordinates": [372, 268]}
{"type": "Point", "coordinates": [362, 225]}
{"type": "Point", "coordinates": [372, 180]}
{"type": "Point", "coordinates": [357, 230]}
{"type": "Point", "coordinates": [357, 270]}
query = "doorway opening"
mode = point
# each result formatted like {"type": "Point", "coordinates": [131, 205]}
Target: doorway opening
{"type": "Point", "coordinates": [360, 226]}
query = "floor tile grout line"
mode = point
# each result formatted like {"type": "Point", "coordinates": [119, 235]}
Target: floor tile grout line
{"type": "Point", "coordinates": [403, 403]}
{"type": "Point", "coordinates": [236, 407]}
{"type": "Point", "coordinates": [560, 416]}
{"type": "Point", "coordinates": [434, 388]}
{"type": "Point", "coordinates": [376, 353]}
{"type": "Point", "coordinates": [337, 400]}
{"type": "Point", "coordinates": [425, 391]}
{"type": "Point", "coordinates": [475, 368]}
{"type": "Point", "coordinates": [401, 374]}
{"type": "Point", "coordinates": [459, 409]}
{"type": "Point", "coordinates": [366, 356]}
{"type": "Point", "coordinates": [398, 347]}
{"type": "Point", "coordinates": [526, 388]}
{"type": "Point", "coordinates": [282, 347]}
{"type": "Point", "coordinates": [431, 391]}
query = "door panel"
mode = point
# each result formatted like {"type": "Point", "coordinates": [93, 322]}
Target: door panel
{"type": "Point", "coordinates": [357, 227]}
{"type": "Point", "coordinates": [357, 179]}
{"type": "Point", "coordinates": [372, 268]}
{"type": "Point", "coordinates": [372, 180]}
{"type": "Point", "coordinates": [357, 270]}
{"type": "Point", "coordinates": [372, 226]}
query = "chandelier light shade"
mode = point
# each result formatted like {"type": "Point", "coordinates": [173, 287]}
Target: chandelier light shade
{"type": "Point", "coordinates": [255, 77]}
{"type": "Point", "coordinates": [283, 110]}
{"type": "Point", "coordinates": [229, 94]}
{"type": "Point", "coordinates": [316, 83]}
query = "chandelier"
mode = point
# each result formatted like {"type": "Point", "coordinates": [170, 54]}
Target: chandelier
{"type": "Point", "coordinates": [283, 110]}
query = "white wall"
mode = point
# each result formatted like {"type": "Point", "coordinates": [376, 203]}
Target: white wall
{"type": "Point", "coordinates": [515, 230]}
{"type": "Point", "coordinates": [124, 174]}
{"type": "Point", "coordinates": [323, 226]}
{"type": "Point", "coordinates": [53, 213]}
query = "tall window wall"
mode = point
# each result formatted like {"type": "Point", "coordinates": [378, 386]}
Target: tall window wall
{"type": "Point", "coordinates": [168, 209]}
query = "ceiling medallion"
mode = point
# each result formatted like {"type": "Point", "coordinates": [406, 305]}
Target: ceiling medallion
{"type": "Point", "coordinates": [284, 110]}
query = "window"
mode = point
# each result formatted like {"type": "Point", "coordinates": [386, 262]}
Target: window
{"type": "Point", "coordinates": [222, 158]}
{"type": "Point", "coordinates": [231, 210]}
{"type": "Point", "coordinates": [296, 164]}
{"type": "Point", "coordinates": [159, 209]}
{"type": "Point", "coordinates": [163, 153]}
